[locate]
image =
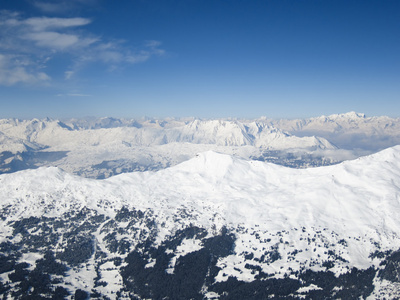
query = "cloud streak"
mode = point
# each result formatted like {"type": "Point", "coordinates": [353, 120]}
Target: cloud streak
{"type": "Point", "coordinates": [25, 35]}
{"type": "Point", "coordinates": [37, 40]}
{"type": "Point", "coordinates": [46, 23]}
{"type": "Point", "coordinates": [74, 95]}
{"type": "Point", "coordinates": [62, 6]}
{"type": "Point", "coordinates": [15, 69]}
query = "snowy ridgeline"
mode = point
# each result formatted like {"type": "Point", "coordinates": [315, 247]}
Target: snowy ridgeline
{"type": "Point", "coordinates": [100, 148]}
{"type": "Point", "coordinates": [214, 227]}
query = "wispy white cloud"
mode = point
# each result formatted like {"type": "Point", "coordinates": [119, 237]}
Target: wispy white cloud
{"type": "Point", "coordinates": [68, 74]}
{"type": "Point", "coordinates": [115, 52]}
{"type": "Point", "coordinates": [40, 39]}
{"type": "Point", "coordinates": [45, 23]}
{"type": "Point", "coordinates": [53, 40]}
{"type": "Point", "coordinates": [61, 6]}
{"type": "Point", "coordinates": [151, 48]}
{"type": "Point", "coordinates": [73, 95]}
{"type": "Point", "coordinates": [14, 69]}
{"type": "Point", "coordinates": [27, 45]}
{"type": "Point", "coordinates": [55, 7]}
{"type": "Point", "coordinates": [18, 34]}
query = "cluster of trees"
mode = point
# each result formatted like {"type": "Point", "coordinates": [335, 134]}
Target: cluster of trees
{"type": "Point", "coordinates": [193, 273]}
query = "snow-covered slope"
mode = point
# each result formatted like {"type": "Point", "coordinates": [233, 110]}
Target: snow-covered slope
{"type": "Point", "coordinates": [15, 145]}
{"type": "Point", "coordinates": [258, 221]}
{"type": "Point", "coordinates": [360, 192]}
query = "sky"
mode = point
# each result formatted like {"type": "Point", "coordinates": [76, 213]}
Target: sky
{"type": "Point", "coordinates": [199, 58]}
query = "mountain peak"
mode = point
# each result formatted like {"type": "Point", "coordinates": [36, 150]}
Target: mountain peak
{"type": "Point", "coordinates": [349, 115]}
{"type": "Point", "coordinates": [210, 162]}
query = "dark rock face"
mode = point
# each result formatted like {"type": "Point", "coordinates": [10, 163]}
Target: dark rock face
{"type": "Point", "coordinates": [125, 245]}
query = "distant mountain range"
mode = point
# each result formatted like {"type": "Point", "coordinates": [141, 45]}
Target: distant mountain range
{"type": "Point", "coordinates": [103, 147]}
{"type": "Point", "coordinates": [54, 133]}
{"type": "Point", "coordinates": [349, 131]}
{"type": "Point", "coordinates": [212, 227]}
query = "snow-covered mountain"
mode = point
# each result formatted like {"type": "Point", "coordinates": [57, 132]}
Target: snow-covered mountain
{"type": "Point", "coordinates": [350, 130]}
{"type": "Point", "coordinates": [103, 147]}
{"type": "Point", "coordinates": [15, 145]}
{"type": "Point", "coordinates": [214, 227]}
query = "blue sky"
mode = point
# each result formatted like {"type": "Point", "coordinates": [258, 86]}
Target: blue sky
{"type": "Point", "coordinates": [201, 58]}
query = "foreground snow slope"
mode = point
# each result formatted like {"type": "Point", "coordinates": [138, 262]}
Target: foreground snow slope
{"type": "Point", "coordinates": [359, 198]}
{"type": "Point", "coordinates": [242, 226]}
